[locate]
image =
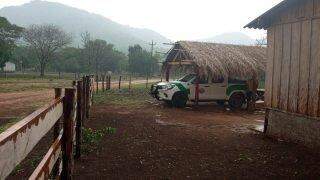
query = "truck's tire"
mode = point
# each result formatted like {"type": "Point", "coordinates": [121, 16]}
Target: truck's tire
{"type": "Point", "coordinates": [237, 100]}
{"type": "Point", "coordinates": [179, 100]}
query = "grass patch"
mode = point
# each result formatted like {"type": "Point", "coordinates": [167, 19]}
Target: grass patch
{"type": "Point", "coordinates": [7, 125]}
{"type": "Point", "coordinates": [18, 85]}
{"type": "Point", "coordinates": [91, 138]}
{"type": "Point", "coordinates": [124, 97]}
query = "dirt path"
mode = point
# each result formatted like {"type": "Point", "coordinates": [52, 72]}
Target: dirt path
{"type": "Point", "coordinates": [153, 141]}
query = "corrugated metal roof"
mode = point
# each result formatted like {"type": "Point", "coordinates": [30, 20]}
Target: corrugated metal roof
{"type": "Point", "coordinates": [265, 20]}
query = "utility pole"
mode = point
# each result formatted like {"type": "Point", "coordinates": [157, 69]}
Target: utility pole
{"type": "Point", "coordinates": [152, 46]}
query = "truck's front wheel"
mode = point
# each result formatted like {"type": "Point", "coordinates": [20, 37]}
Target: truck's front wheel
{"type": "Point", "coordinates": [179, 100]}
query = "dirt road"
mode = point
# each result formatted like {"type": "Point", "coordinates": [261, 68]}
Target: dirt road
{"type": "Point", "coordinates": [153, 141]}
{"type": "Point", "coordinates": [23, 103]}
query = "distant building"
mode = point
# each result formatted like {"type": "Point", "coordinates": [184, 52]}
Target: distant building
{"type": "Point", "coordinates": [9, 67]}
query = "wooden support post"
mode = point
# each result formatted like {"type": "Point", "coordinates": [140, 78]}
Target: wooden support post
{"type": "Point", "coordinates": [79, 118]}
{"type": "Point", "coordinates": [109, 82]}
{"type": "Point", "coordinates": [197, 90]}
{"type": "Point", "coordinates": [253, 85]}
{"type": "Point", "coordinates": [130, 83]}
{"type": "Point", "coordinates": [97, 82]}
{"type": "Point", "coordinates": [68, 127]}
{"type": "Point", "coordinates": [168, 73]}
{"type": "Point", "coordinates": [120, 82]}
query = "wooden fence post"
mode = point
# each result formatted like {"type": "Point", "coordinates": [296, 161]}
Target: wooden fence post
{"type": "Point", "coordinates": [84, 81]}
{"type": "Point", "coordinates": [103, 79]}
{"type": "Point", "coordinates": [74, 83]}
{"type": "Point", "coordinates": [120, 82]}
{"type": "Point", "coordinates": [130, 83]}
{"type": "Point", "coordinates": [97, 83]}
{"type": "Point", "coordinates": [56, 131]}
{"type": "Point", "coordinates": [79, 118]}
{"type": "Point", "coordinates": [147, 82]}
{"type": "Point", "coordinates": [87, 96]}
{"type": "Point", "coordinates": [109, 82]}
{"type": "Point", "coordinates": [68, 127]}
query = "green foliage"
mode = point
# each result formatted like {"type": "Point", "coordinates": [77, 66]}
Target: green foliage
{"type": "Point", "coordinates": [91, 137]}
{"type": "Point", "coordinates": [135, 97]}
{"type": "Point", "coordinates": [9, 33]}
{"type": "Point", "coordinates": [142, 62]}
{"type": "Point", "coordinates": [102, 56]}
{"type": "Point", "coordinates": [8, 124]}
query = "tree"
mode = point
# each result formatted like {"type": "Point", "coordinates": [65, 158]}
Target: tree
{"type": "Point", "coordinates": [101, 55]}
{"type": "Point", "coordinates": [141, 61]}
{"type": "Point", "coordinates": [262, 42]}
{"type": "Point", "coordinates": [45, 40]}
{"type": "Point", "coordinates": [9, 33]}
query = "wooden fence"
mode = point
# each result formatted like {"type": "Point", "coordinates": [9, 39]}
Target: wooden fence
{"type": "Point", "coordinates": [104, 82]}
{"type": "Point", "coordinates": [65, 114]}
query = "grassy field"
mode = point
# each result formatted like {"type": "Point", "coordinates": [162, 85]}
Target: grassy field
{"type": "Point", "coordinates": [31, 82]}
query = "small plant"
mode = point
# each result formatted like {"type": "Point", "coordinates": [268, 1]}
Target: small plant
{"type": "Point", "coordinates": [91, 137]}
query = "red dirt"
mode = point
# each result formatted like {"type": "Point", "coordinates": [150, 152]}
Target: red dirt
{"type": "Point", "coordinates": [158, 142]}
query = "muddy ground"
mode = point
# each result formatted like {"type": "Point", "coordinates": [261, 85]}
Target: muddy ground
{"type": "Point", "coordinates": [153, 141]}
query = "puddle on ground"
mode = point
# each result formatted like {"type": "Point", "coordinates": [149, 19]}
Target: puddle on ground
{"type": "Point", "coordinates": [158, 121]}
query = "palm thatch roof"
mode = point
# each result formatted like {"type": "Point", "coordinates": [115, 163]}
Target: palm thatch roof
{"type": "Point", "coordinates": [219, 59]}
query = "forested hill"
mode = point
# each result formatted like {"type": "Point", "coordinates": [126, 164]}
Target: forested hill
{"type": "Point", "coordinates": [77, 21]}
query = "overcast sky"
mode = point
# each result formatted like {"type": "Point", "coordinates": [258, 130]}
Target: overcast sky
{"type": "Point", "coordinates": [176, 19]}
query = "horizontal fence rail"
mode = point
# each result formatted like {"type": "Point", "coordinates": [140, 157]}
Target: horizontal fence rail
{"type": "Point", "coordinates": [65, 117]}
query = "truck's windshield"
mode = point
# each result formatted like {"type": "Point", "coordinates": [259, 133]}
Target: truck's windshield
{"type": "Point", "coordinates": [187, 78]}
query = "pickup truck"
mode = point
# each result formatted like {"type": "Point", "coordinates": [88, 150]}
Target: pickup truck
{"type": "Point", "coordinates": [221, 90]}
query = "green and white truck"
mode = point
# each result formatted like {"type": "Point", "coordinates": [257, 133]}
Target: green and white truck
{"type": "Point", "coordinates": [221, 90]}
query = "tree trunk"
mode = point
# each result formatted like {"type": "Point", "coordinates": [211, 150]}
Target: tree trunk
{"type": "Point", "coordinates": [42, 68]}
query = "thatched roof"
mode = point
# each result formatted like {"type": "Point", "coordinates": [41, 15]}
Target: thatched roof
{"type": "Point", "coordinates": [220, 59]}
{"type": "Point", "coordinates": [265, 20]}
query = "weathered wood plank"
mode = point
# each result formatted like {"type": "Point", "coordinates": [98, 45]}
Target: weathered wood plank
{"type": "Point", "coordinates": [314, 79]}
{"type": "Point", "coordinates": [306, 9]}
{"type": "Point", "coordinates": [20, 139]}
{"type": "Point", "coordinates": [45, 167]}
{"type": "Point", "coordinates": [277, 66]}
{"type": "Point", "coordinates": [316, 8]}
{"type": "Point", "coordinates": [285, 67]}
{"type": "Point", "coordinates": [304, 67]}
{"type": "Point", "coordinates": [295, 66]}
{"type": "Point", "coordinates": [269, 71]}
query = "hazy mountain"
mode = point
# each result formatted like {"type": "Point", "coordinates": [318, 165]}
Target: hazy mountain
{"type": "Point", "coordinates": [231, 38]}
{"type": "Point", "coordinates": [77, 21]}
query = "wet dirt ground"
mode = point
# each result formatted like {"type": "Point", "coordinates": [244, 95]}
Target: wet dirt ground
{"type": "Point", "coordinates": [153, 141]}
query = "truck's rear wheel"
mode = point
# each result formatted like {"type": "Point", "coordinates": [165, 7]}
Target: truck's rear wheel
{"type": "Point", "coordinates": [237, 100]}
{"type": "Point", "coordinates": [179, 100]}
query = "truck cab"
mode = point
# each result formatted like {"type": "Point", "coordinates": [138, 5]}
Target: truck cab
{"type": "Point", "coordinates": [218, 89]}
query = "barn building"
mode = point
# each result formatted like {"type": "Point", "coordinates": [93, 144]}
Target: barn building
{"type": "Point", "coordinates": [293, 70]}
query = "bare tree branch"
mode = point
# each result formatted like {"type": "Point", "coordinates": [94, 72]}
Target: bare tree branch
{"type": "Point", "coordinates": [45, 40]}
